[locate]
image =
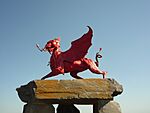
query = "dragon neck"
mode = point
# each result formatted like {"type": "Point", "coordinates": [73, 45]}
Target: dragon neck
{"type": "Point", "coordinates": [56, 51]}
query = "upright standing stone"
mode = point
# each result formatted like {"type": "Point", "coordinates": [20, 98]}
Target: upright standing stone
{"type": "Point", "coordinates": [38, 108]}
{"type": "Point", "coordinates": [99, 105]}
{"type": "Point", "coordinates": [108, 107]}
{"type": "Point", "coordinates": [67, 108]}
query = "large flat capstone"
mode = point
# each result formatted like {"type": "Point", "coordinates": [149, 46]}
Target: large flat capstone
{"type": "Point", "coordinates": [77, 90]}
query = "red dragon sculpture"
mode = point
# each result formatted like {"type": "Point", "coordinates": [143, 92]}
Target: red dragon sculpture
{"type": "Point", "coordinates": [72, 60]}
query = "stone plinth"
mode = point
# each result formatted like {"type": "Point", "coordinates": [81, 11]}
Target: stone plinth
{"type": "Point", "coordinates": [55, 91]}
{"type": "Point", "coordinates": [69, 92]}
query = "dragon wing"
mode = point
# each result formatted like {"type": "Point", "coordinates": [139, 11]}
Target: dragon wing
{"type": "Point", "coordinates": [79, 47]}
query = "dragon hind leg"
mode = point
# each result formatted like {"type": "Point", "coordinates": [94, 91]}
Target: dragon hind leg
{"type": "Point", "coordinates": [74, 75]}
{"type": "Point", "coordinates": [94, 69]}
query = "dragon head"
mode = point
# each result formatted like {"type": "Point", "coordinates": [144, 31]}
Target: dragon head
{"type": "Point", "coordinates": [51, 45]}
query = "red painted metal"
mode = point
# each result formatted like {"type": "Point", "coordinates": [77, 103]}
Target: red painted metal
{"type": "Point", "coordinates": [73, 60]}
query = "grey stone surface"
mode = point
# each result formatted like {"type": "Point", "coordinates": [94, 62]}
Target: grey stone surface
{"type": "Point", "coordinates": [76, 91]}
{"type": "Point", "coordinates": [110, 107]}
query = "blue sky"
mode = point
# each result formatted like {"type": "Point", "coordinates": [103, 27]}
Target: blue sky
{"type": "Point", "coordinates": [121, 28]}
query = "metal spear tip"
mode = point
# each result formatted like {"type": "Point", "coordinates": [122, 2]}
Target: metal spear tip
{"type": "Point", "coordinates": [37, 45]}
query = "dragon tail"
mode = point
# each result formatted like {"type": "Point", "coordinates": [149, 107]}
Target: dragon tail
{"type": "Point", "coordinates": [98, 56]}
